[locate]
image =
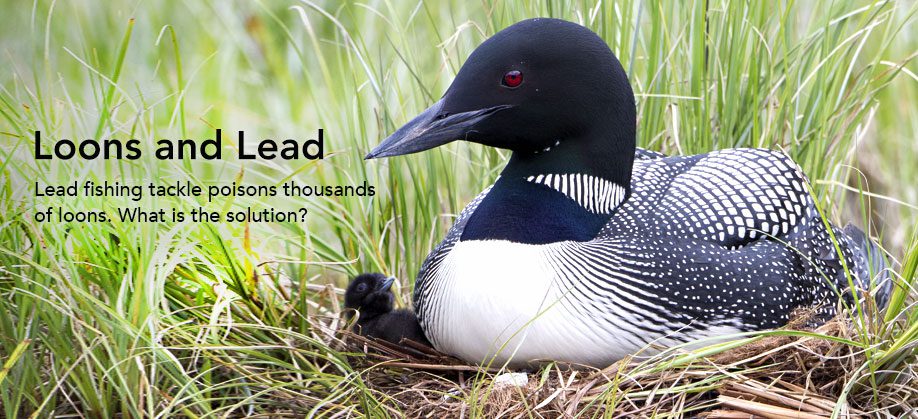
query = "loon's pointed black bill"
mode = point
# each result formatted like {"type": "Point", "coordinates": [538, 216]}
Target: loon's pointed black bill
{"type": "Point", "coordinates": [430, 129]}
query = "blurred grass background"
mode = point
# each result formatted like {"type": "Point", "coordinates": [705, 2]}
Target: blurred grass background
{"type": "Point", "coordinates": [200, 319]}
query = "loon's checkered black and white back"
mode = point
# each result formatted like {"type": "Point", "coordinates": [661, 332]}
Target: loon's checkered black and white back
{"type": "Point", "coordinates": [702, 246]}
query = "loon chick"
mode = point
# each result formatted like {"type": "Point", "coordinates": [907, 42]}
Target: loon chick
{"type": "Point", "coordinates": [587, 249]}
{"type": "Point", "coordinates": [370, 294]}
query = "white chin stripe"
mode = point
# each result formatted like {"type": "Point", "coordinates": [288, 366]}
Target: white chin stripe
{"type": "Point", "coordinates": [593, 193]}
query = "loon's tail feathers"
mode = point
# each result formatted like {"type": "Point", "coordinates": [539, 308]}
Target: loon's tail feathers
{"type": "Point", "coordinates": [870, 266]}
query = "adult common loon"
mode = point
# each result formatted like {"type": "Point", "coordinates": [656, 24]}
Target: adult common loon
{"type": "Point", "coordinates": [587, 249]}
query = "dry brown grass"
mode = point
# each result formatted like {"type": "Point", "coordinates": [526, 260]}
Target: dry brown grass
{"type": "Point", "coordinates": [772, 377]}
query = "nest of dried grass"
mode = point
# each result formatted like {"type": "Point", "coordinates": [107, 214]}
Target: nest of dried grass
{"type": "Point", "coordinates": [774, 377]}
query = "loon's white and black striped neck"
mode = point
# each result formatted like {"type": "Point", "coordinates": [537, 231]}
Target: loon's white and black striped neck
{"type": "Point", "coordinates": [593, 193]}
{"type": "Point", "coordinates": [566, 193]}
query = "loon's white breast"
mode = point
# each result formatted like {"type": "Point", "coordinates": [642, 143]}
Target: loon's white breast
{"type": "Point", "coordinates": [502, 299]}
{"type": "Point", "coordinates": [500, 302]}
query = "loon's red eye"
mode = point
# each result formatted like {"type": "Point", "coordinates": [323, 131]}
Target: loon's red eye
{"type": "Point", "coordinates": [513, 78]}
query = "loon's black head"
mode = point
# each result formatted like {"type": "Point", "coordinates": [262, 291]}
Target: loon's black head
{"type": "Point", "coordinates": [370, 294]}
{"type": "Point", "coordinates": [538, 84]}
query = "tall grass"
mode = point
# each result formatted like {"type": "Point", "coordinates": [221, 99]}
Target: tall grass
{"type": "Point", "coordinates": [232, 319]}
